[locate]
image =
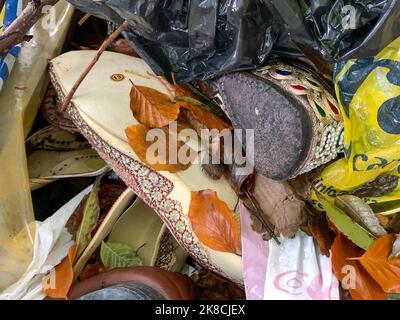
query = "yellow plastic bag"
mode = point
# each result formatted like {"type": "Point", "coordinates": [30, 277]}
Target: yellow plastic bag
{"type": "Point", "coordinates": [368, 91]}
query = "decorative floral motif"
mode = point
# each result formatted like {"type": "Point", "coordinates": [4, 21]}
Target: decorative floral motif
{"type": "Point", "coordinates": [327, 123]}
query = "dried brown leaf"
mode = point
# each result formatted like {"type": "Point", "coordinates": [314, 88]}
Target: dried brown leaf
{"type": "Point", "coordinates": [213, 222]}
{"type": "Point", "coordinates": [280, 204]}
{"type": "Point", "coordinates": [158, 161]}
{"type": "Point", "coordinates": [151, 107]}
{"type": "Point", "coordinates": [319, 229]}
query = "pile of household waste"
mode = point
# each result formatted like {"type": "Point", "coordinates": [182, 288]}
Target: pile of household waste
{"type": "Point", "coordinates": [201, 151]}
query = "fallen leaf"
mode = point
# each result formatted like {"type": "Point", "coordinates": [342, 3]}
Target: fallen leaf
{"type": "Point", "coordinates": [396, 248]}
{"type": "Point", "coordinates": [118, 255]}
{"type": "Point", "coordinates": [279, 204]}
{"type": "Point", "coordinates": [90, 270]}
{"type": "Point", "coordinates": [361, 213]}
{"type": "Point", "coordinates": [214, 287]}
{"type": "Point", "coordinates": [108, 194]}
{"type": "Point", "coordinates": [360, 284]}
{"type": "Point", "coordinates": [75, 220]}
{"type": "Point", "coordinates": [319, 229]}
{"type": "Point", "coordinates": [352, 230]}
{"type": "Point", "coordinates": [91, 212]}
{"type": "Point", "coordinates": [209, 119]}
{"type": "Point", "coordinates": [302, 184]}
{"type": "Point", "coordinates": [151, 107]}
{"type": "Point", "coordinates": [384, 271]}
{"type": "Point", "coordinates": [123, 46]}
{"type": "Point", "coordinates": [213, 222]}
{"type": "Point", "coordinates": [381, 186]}
{"type": "Point", "coordinates": [159, 159]}
{"type": "Point", "coordinates": [394, 225]}
{"type": "Point", "coordinates": [167, 85]}
{"type": "Point", "coordinates": [383, 220]}
{"type": "Point", "coordinates": [58, 282]}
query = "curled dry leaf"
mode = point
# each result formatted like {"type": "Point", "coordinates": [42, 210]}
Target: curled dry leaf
{"type": "Point", "coordinates": [123, 46]}
{"type": "Point", "coordinates": [157, 154]}
{"type": "Point", "coordinates": [351, 273]}
{"type": "Point", "coordinates": [155, 109]}
{"type": "Point", "coordinates": [167, 85]}
{"type": "Point", "coordinates": [383, 220]}
{"type": "Point", "coordinates": [394, 225]}
{"type": "Point", "coordinates": [214, 171]}
{"type": "Point", "coordinates": [319, 229]}
{"type": "Point", "coordinates": [302, 184]}
{"type": "Point", "coordinates": [209, 119]}
{"type": "Point", "coordinates": [213, 222]}
{"type": "Point", "coordinates": [151, 107]}
{"type": "Point", "coordinates": [91, 212]}
{"type": "Point", "coordinates": [279, 204]}
{"type": "Point", "coordinates": [90, 270]}
{"type": "Point", "coordinates": [381, 186]}
{"type": "Point", "coordinates": [361, 213]}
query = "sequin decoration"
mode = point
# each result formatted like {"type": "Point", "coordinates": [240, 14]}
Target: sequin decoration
{"type": "Point", "coordinates": [328, 123]}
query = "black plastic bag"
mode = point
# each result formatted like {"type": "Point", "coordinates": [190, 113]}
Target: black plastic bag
{"type": "Point", "coordinates": [199, 39]}
{"type": "Point", "coordinates": [347, 29]}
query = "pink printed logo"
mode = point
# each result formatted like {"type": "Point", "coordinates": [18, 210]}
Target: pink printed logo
{"type": "Point", "coordinates": [295, 283]}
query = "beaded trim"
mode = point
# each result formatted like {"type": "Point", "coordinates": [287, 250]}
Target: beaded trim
{"type": "Point", "coordinates": [327, 120]}
{"type": "Point", "coordinates": [149, 185]}
{"type": "Point", "coordinates": [166, 257]}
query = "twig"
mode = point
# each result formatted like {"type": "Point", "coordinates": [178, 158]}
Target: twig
{"type": "Point", "coordinates": [260, 217]}
{"type": "Point", "coordinates": [84, 18]}
{"type": "Point", "coordinates": [103, 47]}
{"type": "Point", "coordinates": [17, 30]}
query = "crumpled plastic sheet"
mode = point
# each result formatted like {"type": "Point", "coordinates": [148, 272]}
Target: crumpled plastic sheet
{"type": "Point", "coordinates": [196, 39]}
{"type": "Point", "coordinates": [200, 39]}
{"type": "Point", "coordinates": [297, 270]}
{"type": "Point", "coordinates": [293, 270]}
{"type": "Point", "coordinates": [19, 101]}
{"type": "Point", "coordinates": [254, 256]}
{"type": "Point", "coordinates": [51, 245]}
{"type": "Point", "coordinates": [368, 91]}
{"type": "Point", "coordinates": [347, 29]}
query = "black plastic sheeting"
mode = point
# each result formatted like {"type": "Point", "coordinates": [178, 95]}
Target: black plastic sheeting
{"type": "Point", "coordinates": [199, 39]}
{"type": "Point", "coordinates": [346, 29]}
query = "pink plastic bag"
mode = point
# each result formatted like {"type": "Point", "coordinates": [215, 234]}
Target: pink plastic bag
{"type": "Point", "coordinates": [254, 256]}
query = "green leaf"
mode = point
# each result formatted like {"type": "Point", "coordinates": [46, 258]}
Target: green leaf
{"type": "Point", "coordinates": [361, 213]}
{"type": "Point", "coordinates": [353, 231]}
{"type": "Point", "coordinates": [91, 212]}
{"type": "Point", "coordinates": [190, 100]}
{"type": "Point", "coordinates": [209, 104]}
{"type": "Point", "coordinates": [118, 255]}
